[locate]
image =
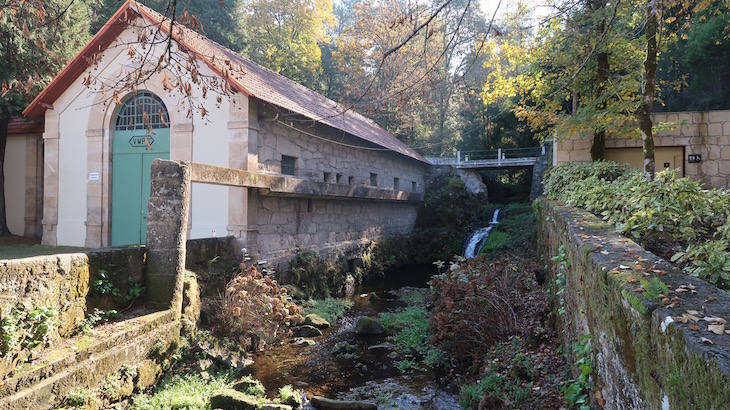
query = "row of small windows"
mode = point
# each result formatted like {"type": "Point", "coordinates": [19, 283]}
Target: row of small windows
{"type": "Point", "coordinates": [288, 167]}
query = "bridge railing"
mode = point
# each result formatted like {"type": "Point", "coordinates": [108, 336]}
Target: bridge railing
{"type": "Point", "coordinates": [490, 155]}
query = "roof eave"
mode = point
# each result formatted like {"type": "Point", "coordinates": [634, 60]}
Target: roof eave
{"type": "Point", "coordinates": [111, 29]}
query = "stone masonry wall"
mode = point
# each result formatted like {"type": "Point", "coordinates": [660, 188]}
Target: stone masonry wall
{"type": "Point", "coordinates": [326, 225]}
{"type": "Point", "coordinates": [704, 133]}
{"type": "Point", "coordinates": [644, 357]}
{"type": "Point", "coordinates": [64, 281]}
{"type": "Point", "coordinates": [317, 156]}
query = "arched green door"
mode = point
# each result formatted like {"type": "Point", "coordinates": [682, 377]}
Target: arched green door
{"type": "Point", "coordinates": [141, 134]}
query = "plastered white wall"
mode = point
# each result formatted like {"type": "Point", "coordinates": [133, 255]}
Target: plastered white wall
{"type": "Point", "coordinates": [210, 143]}
{"type": "Point", "coordinates": [209, 203]}
{"type": "Point", "coordinates": [15, 184]}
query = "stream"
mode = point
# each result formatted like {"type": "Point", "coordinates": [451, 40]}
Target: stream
{"type": "Point", "coordinates": [365, 370]}
{"type": "Point", "coordinates": [479, 237]}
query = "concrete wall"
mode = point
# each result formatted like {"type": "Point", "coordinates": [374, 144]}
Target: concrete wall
{"type": "Point", "coordinates": [705, 133]}
{"type": "Point", "coordinates": [642, 356]}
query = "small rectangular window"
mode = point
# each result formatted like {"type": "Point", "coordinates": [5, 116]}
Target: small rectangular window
{"type": "Point", "coordinates": [396, 184]}
{"type": "Point", "coordinates": [414, 186]}
{"type": "Point", "coordinates": [288, 165]}
{"type": "Point", "coordinates": [327, 176]}
{"type": "Point", "coordinates": [338, 178]}
{"type": "Point", "coordinates": [350, 180]}
{"type": "Point", "coordinates": [373, 179]}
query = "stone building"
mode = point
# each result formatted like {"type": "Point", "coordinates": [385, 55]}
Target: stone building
{"type": "Point", "coordinates": [98, 146]}
{"type": "Point", "coordinates": [698, 144]}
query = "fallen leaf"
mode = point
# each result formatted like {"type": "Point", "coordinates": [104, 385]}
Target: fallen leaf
{"type": "Point", "coordinates": [694, 327]}
{"type": "Point", "coordinates": [630, 280]}
{"type": "Point", "coordinates": [680, 319]}
{"type": "Point", "coordinates": [691, 317]}
{"type": "Point", "coordinates": [659, 272]}
{"type": "Point", "coordinates": [693, 312]}
{"type": "Point", "coordinates": [710, 299]}
{"type": "Point", "coordinates": [640, 289]}
{"type": "Point", "coordinates": [690, 287]}
{"type": "Point", "coordinates": [681, 290]}
{"type": "Point", "coordinates": [639, 267]}
{"type": "Point", "coordinates": [714, 320]}
{"type": "Point", "coordinates": [623, 267]}
{"type": "Point", "coordinates": [604, 252]}
{"type": "Point", "coordinates": [717, 329]}
{"type": "Point", "coordinates": [706, 341]}
{"type": "Point", "coordinates": [615, 271]}
{"type": "Point", "coordinates": [727, 331]}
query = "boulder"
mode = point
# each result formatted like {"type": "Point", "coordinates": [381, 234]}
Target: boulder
{"type": "Point", "coordinates": [368, 326]}
{"type": "Point", "coordinates": [229, 399]}
{"type": "Point", "coordinates": [249, 386]}
{"type": "Point", "coordinates": [316, 321]}
{"type": "Point", "coordinates": [323, 403]}
{"type": "Point", "coordinates": [302, 342]}
{"type": "Point", "coordinates": [307, 331]}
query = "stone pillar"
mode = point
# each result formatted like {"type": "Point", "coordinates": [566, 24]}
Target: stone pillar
{"type": "Point", "coordinates": [167, 223]}
{"type": "Point", "coordinates": [243, 129]}
{"type": "Point", "coordinates": [50, 179]}
{"type": "Point", "coordinates": [538, 171]}
{"type": "Point", "coordinates": [94, 191]}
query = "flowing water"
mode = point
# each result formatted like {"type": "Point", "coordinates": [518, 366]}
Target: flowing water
{"type": "Point", "coordinates": [479, 237]}
{"type": "Point", "coordinates": [366, 370]}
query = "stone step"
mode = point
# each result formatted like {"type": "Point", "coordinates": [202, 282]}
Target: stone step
{"type": "Point", "coordinates": [83, 361]}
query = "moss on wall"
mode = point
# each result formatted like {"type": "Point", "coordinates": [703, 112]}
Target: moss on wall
{"type": "Point", "coordinates": [643, 357]}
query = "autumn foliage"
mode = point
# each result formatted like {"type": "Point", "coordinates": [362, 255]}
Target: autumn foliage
{"type": "Point", "coordinates": [255, 310]}
{"type": "Point", "coordinates": [477, 303]}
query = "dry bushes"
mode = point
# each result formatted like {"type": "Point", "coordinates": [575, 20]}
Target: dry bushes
{"type": "Point", "coordinates": [255, 310]}
{"type": "Point", "coordinates": [477, 303]}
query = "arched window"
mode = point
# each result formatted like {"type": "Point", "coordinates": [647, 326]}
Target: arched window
{"type": "Point", "coordinates": [141, 111]}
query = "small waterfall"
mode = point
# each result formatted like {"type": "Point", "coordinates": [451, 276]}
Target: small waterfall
{"type": "Point", "coordinates": [477, 239]}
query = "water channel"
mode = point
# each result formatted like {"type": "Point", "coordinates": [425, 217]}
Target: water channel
{"type": "Point", "coordinates": [365, 372]}
{"type": "Point", "coordinates": [479, 237]}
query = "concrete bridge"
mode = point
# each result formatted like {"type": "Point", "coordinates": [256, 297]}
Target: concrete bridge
{"type": "Point", "coordinates": [492, 159]}
{"type": "Point", "coordinates": [468, 163]}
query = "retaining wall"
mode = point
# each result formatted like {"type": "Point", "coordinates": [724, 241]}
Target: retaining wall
{"type": "Point", "coordinates": [644, 358]}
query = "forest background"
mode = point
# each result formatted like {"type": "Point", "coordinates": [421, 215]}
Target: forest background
{"type": "Point", "coordinates": [440, 75]}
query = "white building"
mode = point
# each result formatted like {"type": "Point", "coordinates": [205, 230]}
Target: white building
{"type": "Point", "coordinates": [98, 146]}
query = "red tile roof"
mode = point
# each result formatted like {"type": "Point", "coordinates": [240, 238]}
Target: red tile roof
{"type": "Point", "coordinates": [245, 76]}
{"type": "Point", "coordinates": [21, 125]}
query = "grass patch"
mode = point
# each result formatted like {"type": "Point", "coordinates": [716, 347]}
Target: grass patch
{"type": "Point", "coordinates": [410, 328]}
{"type": "Point", "coordinates": [513, 232]}
{"type": "Point", "coordinates": [16, 247]}
{"type": "Point", "coordinates": [185, 391]}
{"type": "Point", "coordinates": [330, 309]}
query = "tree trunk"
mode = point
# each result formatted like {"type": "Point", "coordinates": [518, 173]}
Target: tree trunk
{"type": "Point", "coordinates": [4, 122]}
{"type": "Point", "coordinates": [598, 148]}
{"type": "Point", "coordinates": [643, 114]}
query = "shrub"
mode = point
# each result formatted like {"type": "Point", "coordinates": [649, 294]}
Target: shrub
{"type": "Point", "coordinates": [474, 305]}
{"type": "Point", "coordinates": [315, 277]}
{"type": "Point", "coordinates": [673, 217]}
{"type": "Point", "coordinates": [255, 310]}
